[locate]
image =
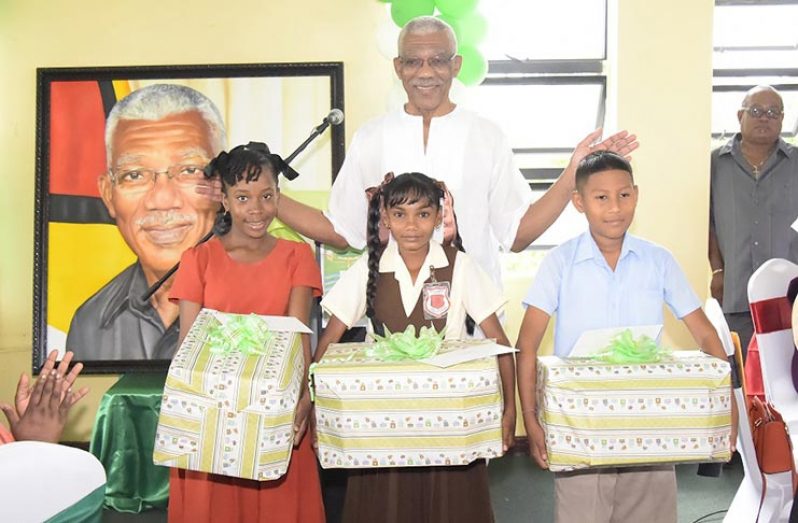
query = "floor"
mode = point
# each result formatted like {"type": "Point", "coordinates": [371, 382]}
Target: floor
{"type": "Point", "coordinates": [521, 492]}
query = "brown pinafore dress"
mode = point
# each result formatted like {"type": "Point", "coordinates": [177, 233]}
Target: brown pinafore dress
{"type": "Point", "coordinates": [416, 494]}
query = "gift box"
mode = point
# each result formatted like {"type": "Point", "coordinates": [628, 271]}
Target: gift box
{"type": "Point", "coordinates": [373, 413]}
{"type": "Point", "coordinates": [230, 396]}
{"type": "Point", "coordinates": [598, 414]}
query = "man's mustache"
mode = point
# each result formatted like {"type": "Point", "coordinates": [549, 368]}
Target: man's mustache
{"type": "Point", "coordinates": [165, 219]}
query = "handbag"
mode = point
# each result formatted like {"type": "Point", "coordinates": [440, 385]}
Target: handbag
{"type": "Point", "coordinates": [772, 443]}
{"type": "Point", "coordinates": [771, 439]}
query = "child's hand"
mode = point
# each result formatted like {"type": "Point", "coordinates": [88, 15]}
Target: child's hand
{"type": "Point", "coordinates": [735, 425]}
{"type": "Point", "coordinates": [508, 429]}
{"type": "Point", "coordinates": [46, 411]}
{"type": "Point", "coordinates": [537, 443]}
{"type": "Point", "coordinates": [211, 188]}
{"type": "Point", "coordinates": [304, 410]}
{"type": "Point", "coordinates": [314, 440]}
{"type": "Point", "coordinates": [25, 390]}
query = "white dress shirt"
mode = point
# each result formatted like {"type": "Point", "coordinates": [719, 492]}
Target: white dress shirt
{"type": "Point", "coordinates": [467, 152]}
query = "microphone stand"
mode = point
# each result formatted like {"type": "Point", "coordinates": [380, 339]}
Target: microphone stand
{"type": "Point", "coordinates": [290, 174]}
{"type": "Point", "coordinates": [313, 135]}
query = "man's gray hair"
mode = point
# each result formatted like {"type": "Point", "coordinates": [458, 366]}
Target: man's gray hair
{"type": "Point", "coordinates": [426, 25]}
{"type": "Point", "coordinates": [159, 101]}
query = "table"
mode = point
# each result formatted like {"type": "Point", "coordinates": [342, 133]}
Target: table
{"type": "Point", "coordinates": [123, 439]}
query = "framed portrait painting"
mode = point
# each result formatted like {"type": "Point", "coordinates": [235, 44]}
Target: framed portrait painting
{"type": "Point", "coordinates": [120, 151]}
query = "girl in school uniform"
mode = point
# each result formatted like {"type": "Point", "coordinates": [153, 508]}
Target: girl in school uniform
{"type": "Point", "coordinates": [401, 284]}
{"type": "Point", "coordinates": [244, 269]}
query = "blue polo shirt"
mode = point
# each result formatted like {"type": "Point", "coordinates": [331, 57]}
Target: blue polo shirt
{"type": "Point", "coordinates": [575, 282]}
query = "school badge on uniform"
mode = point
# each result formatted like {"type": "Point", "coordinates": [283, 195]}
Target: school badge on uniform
{"type": "Point", "coordinates": [435, 300]}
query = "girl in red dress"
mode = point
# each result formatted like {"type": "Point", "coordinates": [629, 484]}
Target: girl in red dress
{"type": "Point", "coordinates": [244, 269]}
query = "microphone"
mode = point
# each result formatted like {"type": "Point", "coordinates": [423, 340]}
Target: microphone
{"type": "Point", "coordinates": [334, 117]}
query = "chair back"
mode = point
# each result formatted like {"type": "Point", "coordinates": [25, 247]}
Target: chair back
{"type": "Point", "coordinates": [44, 481]}
{"type": "Point", "coordinates": [745, 441]}
{"type": "Point", "coordinates": [772, 315]}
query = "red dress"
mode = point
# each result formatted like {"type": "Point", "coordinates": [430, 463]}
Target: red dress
{"type": "Point", "coordinates": [208, 276]}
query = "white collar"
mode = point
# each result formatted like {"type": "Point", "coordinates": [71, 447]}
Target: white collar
{"type": "Point", "coordinates": [391, 260]}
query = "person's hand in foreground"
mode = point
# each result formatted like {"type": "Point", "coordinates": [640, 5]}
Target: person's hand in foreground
{"type": "Point", "coordinates": [40, 413]}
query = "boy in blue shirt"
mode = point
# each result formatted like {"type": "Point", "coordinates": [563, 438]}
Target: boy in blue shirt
{"type": "Point", "coordinates": [606, 278]}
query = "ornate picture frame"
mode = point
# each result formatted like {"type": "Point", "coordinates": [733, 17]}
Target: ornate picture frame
{"type": "Point", "coordinates": [81, 250]}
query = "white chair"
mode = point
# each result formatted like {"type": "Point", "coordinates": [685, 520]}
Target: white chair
{"type": "Point", "coordinates": [40, 481]}
{"type": "Point", "coordinates": [768, 287]}
{"type": "Point", "coordinates": [744, 507]}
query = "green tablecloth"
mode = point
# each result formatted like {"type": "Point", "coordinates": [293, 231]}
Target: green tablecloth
{"type": "Point", "coordinates": [123, 438]}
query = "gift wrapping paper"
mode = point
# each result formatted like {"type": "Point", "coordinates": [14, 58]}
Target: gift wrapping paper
{"type": "Point", "coordinates": [598, 414]}
{"type": "Point", "coordinates": [372, 413]}
{"type": "Point", "coordinates": [230, 414]}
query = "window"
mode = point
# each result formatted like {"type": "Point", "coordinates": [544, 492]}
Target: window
{"type": "Point", "coordinates": [546, 88]}
{"type": "Point", "coordinates": [753, 43]}
{"type": "Point", "coordinates": [546, 85]}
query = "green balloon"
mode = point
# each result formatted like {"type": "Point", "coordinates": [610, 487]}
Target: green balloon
{"type": "Point", "coordinates": [473, 27]}
{"type": "Point", "coordinates": [456, 8]}
{"type": "Point", "coordinates": [454, 22]}
{"type": "Point", "coordinates": [474, 68]}
{"type": "Point", "coordinates": [402, 11]}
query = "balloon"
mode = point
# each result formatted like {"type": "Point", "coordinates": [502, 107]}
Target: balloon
{"type": "Point", "coordinates": [387, 34]}
{"type": "Point", "coordinates": [397, 97]}
{"type": "Point", "coordinates": [459, 93]}
{"type": "Point", "coordinates": [402, 11]}
{"type": "Point", "coordinates": [454, 22]}
{"type": "Point", "coordinates": [474, 68]}
{"type": "Point", "coordinates": [469, 30]}
{"type": "Point", "coordinates": [455, 8]}
{"type": "Point", "coordinates": [472, 29]}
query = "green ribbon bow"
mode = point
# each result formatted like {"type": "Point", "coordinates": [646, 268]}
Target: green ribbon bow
{"type": "Point", "coordinates": [245, 333]}
{"type": "Point", "coordinates": [398, 346]}
{"type": "Point", "coordinates": [623, 348]}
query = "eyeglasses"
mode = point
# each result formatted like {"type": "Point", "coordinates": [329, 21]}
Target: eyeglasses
{"type": "Point", "coordinates": [438, 63]}
{"type": "Point", "coordinates": [136, 179]}
{"type": "Point", "coordinates": [773, 113]}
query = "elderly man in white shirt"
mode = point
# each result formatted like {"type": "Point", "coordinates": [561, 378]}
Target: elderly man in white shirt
{"type": "Point", "coordinates": [492, 200]}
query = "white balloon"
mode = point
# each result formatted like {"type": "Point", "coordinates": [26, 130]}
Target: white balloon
{"type": "Point", "coordinates": [397, 98]}
{"type": "Point", "coordinates": [387, 35]}
{"type": "Point", "coordinates": [459, 92]}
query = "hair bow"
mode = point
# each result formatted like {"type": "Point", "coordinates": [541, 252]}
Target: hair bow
{"type": "Point", "coordinates": [279, 164]}
{"type": "Point", "coordinates": [377, 189]}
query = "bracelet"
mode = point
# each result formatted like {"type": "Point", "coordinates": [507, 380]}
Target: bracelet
{"type": "Point", "coordinates": [529, 410]}
{"type": "Point", "coordinates": [717, 271]}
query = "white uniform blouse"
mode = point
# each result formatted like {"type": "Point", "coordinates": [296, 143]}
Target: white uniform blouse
{"type": "Point", "coordinates": [472, 291]}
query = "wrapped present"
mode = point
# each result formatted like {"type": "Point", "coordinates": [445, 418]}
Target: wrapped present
{"type": "Point", "coordinates": [596, 413]}
{"type": "Point", "coordinates": [230, 396]}
{"type": "Point", "coordinates": [374, 411]}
